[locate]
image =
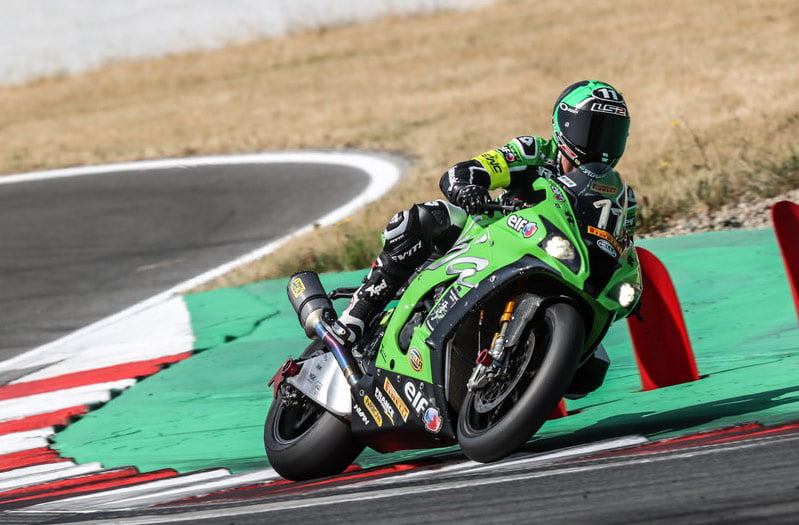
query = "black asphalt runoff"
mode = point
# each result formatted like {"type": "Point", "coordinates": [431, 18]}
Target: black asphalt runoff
{"type": "Point", "coordinates": [77, 249]}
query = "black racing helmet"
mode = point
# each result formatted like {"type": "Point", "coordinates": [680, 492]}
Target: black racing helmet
{"type": "Point", "coordinates": [590, 123]}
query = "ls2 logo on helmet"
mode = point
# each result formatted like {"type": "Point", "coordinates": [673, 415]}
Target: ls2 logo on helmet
{"type": "Point", "coordinates": [520, 224]}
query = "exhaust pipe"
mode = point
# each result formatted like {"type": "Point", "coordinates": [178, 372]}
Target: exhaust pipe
{"type": "Point", "coordinates": [315, 312]}
{"type": "Point", "coordinates": [310, 301]}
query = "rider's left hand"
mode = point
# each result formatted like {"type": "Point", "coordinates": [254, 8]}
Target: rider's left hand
{"type": "Point", "coordinates": [472, 198]}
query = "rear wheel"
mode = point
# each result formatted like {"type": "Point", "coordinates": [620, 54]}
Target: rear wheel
{"type": "Point", "coordinates": [499, 418]}
{"type": "Point", "coordinates": [303, 440]}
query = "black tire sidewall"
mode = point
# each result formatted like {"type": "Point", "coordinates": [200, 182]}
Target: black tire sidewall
{"type": "Point", "coordinates": [326, 448]}
{"type": "Point", "coordinates": [541, 397]}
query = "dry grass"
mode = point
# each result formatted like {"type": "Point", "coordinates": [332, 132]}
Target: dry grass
{"type": "Point", "coordinates": [712, 89]}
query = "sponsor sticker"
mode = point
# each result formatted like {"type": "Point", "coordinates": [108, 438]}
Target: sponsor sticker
{"type": "Point", "coordinates": [605, 235]}
{"type": "Point", "coordinates": [520, 224]}
{"type": "Point", "coordinates": [415, 397]}
{"type": "Point", "coordinates": [509, 155]}
{"type": "Point", "coordinates": [567, 181]}
{"type": "Point", "coordinates": [490, 160]}
{"type": "Point", "coordinates": [388, 410]}
{"type": "Point", "coordinates": [297, 287]}
{"type": "Point", "coordinates": [557, 193]}
{"type": "Point", "coordinates": [415, 359]}
{"type": "Point", "coordinates": [372, 408]}
{"type": "Point", "coordinates": [606, 247]}
{"type": "Point", "coordinates": [609, 108]}
{"type": "Point", "coordinates": [361, 414]}
{"type": "Point", "coordinates": [392, 393]}
{"type": "Point", "coordinates": [604, 188]}
{"type": "Point", "coordinates": [432, 420]}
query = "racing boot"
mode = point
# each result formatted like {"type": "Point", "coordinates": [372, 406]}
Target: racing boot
{"type": "Point", "coordinates": [377, 289]}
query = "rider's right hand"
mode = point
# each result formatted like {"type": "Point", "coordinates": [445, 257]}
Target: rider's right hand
{"type": "Point", "coordinates": [472, 198]}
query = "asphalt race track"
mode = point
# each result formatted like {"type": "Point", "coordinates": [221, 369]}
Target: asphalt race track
{"type": "Point", "coordinates": [78, 249]}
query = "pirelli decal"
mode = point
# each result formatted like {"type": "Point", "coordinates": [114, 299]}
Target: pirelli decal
{"type": "Point", "coordinates": [392, 393]}
{"type": "Point", "coordinates": [494, 162]}
{"type": "Point", "coordinates": [605, 235]}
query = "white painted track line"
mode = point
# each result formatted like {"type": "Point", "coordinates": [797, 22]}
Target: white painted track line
{"type": "Point", "coordinates": [91, 502]}
{"type": "Point", "coordinates": [51, 401]}
{"type": "Point", "coordinates": [44, 477]}
{"type": "Point", "coordinates": [19, 441]}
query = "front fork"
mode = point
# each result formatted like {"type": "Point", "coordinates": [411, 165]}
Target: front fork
{"type": "Point", "coordinates": [491, 362]}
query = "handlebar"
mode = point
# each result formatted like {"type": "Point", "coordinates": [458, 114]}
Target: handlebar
{"type": "Point", "coordinates": [505, 208]}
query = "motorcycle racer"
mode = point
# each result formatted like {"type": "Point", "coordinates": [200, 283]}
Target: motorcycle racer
{"type": "Point", "coordinates": [590, 123]}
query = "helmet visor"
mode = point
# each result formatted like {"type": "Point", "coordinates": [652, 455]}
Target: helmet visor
{"type": "Point", "coordinates": [602, 137]}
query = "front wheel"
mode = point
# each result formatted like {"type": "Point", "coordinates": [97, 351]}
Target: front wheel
{"type": "Point", "coordinates": [499, 418]}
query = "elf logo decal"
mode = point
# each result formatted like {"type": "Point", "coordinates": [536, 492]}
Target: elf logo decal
{"type": "Point", "coordinates": [396, 399]}
{"type": "Point", "coordinates": [415, 359]}
{"type": "Point", "coordinates": [521, 224]}
{"type": "Point", "coordinates": [388, 410]}
{"type": "Point", "coordinates": [432, 420]}
{"type": "Point", "coordinates": [370, 406]}
{"type": "Point", "coordinates": [416, 398]}
{"type": "Point", "coordinates": [509, 155]}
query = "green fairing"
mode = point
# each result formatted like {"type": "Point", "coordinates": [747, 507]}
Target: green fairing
{"type": "Point", "coordinates": [490, 242]}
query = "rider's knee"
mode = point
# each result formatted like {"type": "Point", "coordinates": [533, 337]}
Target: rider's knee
{"type": "Point", "coordinates": [413, 234]}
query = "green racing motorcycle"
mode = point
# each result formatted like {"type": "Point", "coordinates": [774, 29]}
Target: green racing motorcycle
{"type": "Point", "coordinates": [480, 345]}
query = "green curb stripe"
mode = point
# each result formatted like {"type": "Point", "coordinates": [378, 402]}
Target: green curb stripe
{"type": "Point", "coordinates": [208, 411]}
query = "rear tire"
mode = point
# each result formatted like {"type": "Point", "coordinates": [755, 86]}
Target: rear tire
{"type": "Point", "coordinates": [493, 422]}
{"type": "Point", "coordinates": [305, 441]}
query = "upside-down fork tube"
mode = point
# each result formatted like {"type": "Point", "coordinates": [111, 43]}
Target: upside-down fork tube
{"type": "Point", "coordinates": [504, 321]}
{"type": "Point", "coordinates": [349, 367]}
{"type": "Point", "coordinates": [488, 358]}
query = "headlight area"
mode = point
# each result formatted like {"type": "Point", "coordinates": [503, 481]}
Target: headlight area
{"type": "Point", "coordinates": [627, 293]}
{"type": "Point", "coordinates": [557, 246]}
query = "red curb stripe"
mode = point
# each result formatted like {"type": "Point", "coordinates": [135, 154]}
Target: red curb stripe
{"type": "Point", "coordinates": [785, 429]}
{"type": "Point", "coordinates": [89, 377]}
{"type": "Point", "coordinates": [708, 437]}
{"type": "Point", "coordinates": [94, 487]}
{"type": "Point", "coordinates": [726, 435]}
{"type": "Point", "coordinates": [57, 418]}
{"type": "Point", "coordinates": [67, 483]}
{"type": "Point", "coordinates": [29, 458]}
{"type": "Point", "coordinates": [284, 486]}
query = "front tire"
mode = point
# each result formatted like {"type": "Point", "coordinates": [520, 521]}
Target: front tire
{"type": "Point", "coordinates": [498, 419]}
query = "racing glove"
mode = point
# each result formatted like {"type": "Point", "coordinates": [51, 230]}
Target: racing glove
{"type": "Point", "coordinates": [472, 198]}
